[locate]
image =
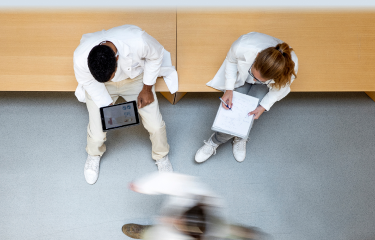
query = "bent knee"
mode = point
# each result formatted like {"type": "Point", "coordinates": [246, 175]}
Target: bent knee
{"type": "Point", "coordinates": [155, 128]}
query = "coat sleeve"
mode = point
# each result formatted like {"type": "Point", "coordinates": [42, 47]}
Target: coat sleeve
{"type": "Point", "coordinates": [165, 183]}
{"type": "Point", "coordinates": [274, 94]}
{"type": "Point", "coordinates": [97, 91]}
{"type": "Point", "coordinates": [152, 53]}
{"type": "Point", "coordinates": [231, 66]}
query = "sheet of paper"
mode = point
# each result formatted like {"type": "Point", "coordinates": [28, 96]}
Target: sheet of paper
{"type": "Point", "coordinates": [236, 121]}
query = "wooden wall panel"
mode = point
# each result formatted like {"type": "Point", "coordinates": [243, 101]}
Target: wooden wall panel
{"type": "Point", "coordinates": [336, 50]}
{"type": "Point", "coordinates": [37, 46]}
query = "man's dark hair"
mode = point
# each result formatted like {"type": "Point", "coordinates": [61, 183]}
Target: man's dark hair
{"type": "Point", "coordinates": [102, 63]}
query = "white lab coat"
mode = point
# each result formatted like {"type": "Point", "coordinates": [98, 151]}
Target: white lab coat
{"type": "Point", "coordinates": [184, 192]}
{"type": "Point", "coordinates": [138, 52]}
{"type": "Point", "coordinates": [233, 72]}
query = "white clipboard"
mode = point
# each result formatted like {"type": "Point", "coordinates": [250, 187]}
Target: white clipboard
{"type": "Point", "coordinates": [236, 122]}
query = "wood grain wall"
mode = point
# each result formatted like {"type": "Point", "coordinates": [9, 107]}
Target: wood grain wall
{"type": "Point", "coordinates": [336, 50]}
{"type": "Point", "coordinates": [36, 50]}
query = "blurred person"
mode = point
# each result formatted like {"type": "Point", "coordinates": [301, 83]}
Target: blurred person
{"type": "Point", "coordinates": [190, 212]}
{"type": "Point", "coordinates": [123, 61]}
{"type": "Point", "coordinates": [258, 65]}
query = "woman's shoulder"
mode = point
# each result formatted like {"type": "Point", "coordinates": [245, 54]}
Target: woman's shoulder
{"type": "Point", "coordinates": [258, 38]}
{"type": "Point", "coordinates": [256, 41]}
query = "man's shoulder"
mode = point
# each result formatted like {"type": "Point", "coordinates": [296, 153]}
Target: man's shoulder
{"type": "Point", "coordinates": [88, 39]}
{"type": "Point", "coordinates": [81, 53]}
{"type": "Point", "coordinates": [87, 42]}
{"type": "Point", "coordinates": [126, 27]}
{"type": "Point", "coordinates": [125, 32]}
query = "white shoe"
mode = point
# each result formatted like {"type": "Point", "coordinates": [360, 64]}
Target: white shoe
{"type": "Point", "coordinates": [164, 165]}
{"type": "Point", "coordinates": [205, 152]}
{"type": "Point", "coordinates": [91, 171]}
{"type": "Point", "coordinates": [239, 149]}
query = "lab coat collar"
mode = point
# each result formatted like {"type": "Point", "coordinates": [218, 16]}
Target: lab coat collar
{"type": "Point", "coordinates": [125, 58]}
{"type": "Point", "coordinates": [122, 48]}
{"type": "Point", "coordinates": [244, 66]}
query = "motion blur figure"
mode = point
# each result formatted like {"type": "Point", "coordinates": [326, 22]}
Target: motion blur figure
{"type": "Point", "coordinates": [191, 212]}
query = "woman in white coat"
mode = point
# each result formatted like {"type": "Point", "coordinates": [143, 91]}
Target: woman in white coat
{"type": "Point", "coordinates": [257, 65]}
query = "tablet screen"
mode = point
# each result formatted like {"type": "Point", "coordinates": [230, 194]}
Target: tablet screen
{"type": "Point", "coordinates": [119, 115]}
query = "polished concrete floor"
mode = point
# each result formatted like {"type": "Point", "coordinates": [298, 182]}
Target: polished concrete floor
{"type": "Point", "coordinates": [308, 174]}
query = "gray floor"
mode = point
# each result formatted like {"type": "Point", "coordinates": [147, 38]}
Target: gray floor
{"type": "Point", "coordinates": [308, 174]}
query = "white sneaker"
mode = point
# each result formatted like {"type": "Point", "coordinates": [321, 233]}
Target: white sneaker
{"type": "Point", "coordinates": [91, 171]}
{"type": "Point", "coordinates": [164, 165]}
{"type": "Point", "coordinates": [239, 149]}
{"type": "Point", "coordinates": [205, 152]}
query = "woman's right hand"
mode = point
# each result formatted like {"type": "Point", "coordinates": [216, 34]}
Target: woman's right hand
{"type": "Point", "coordinates": [227, 97]}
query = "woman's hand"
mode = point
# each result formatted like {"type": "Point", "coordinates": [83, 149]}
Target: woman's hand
{"type": "Point", "coordinates": [257, 112]}
{"type": "Point", "coordinates": [227, 97]}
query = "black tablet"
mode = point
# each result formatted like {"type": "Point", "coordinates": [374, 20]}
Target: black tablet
{"type": "Point", "coordinates": [119, 115]}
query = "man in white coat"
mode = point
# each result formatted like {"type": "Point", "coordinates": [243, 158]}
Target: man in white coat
{"type": "Point", "coordinates": [122, 61]}
{"type": "Point", "coordinates": [258, 65]}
